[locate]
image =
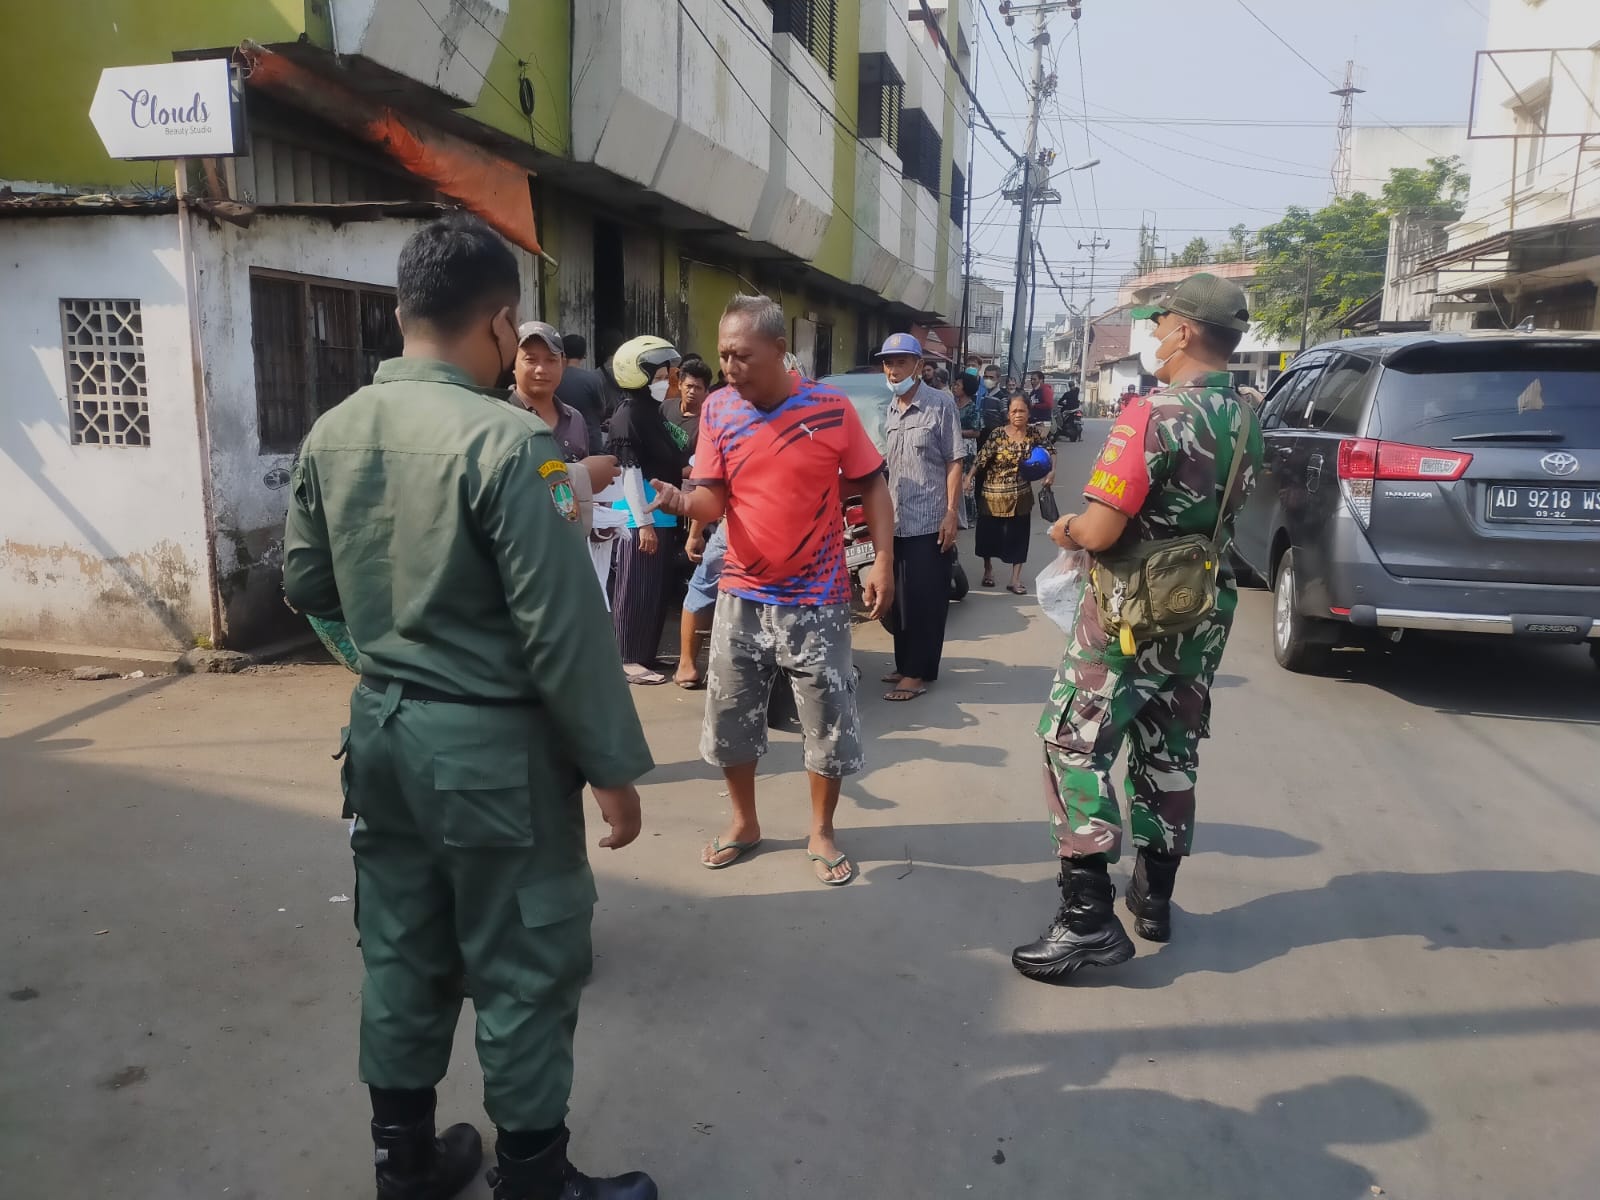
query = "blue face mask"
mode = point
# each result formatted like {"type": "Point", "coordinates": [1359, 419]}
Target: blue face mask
{"type": "Point", "coordinates": [901, 388]}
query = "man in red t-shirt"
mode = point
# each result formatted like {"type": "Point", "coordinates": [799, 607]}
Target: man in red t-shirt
{"type": "Point", "coordinates": [773, 448]}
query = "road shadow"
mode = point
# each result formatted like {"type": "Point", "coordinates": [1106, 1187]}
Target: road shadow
{"type": "Point", "coordinates": [180, 1013]}
{"type": "Point", "coordinates": [1249, 841]}
{"type": "Point", "coordinates": [1458, 910]}
{"type": "Point", "coordinates": [1149, 1143]}
{"type": "Point", "coordinates": [1480, 677]}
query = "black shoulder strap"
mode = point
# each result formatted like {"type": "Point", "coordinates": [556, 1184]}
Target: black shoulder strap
{"type": "Point", "coordinates": [1239, 447]}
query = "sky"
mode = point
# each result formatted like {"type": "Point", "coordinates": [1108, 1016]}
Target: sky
{"type": "Point", "coordinates": [1162, 76]}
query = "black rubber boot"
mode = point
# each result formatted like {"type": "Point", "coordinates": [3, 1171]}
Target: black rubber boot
{"type": "Point", "coordinates": [551, 1176]}
{"type": "Point", "coordinates": [1085, 933]}
{"type": "Point", "coordinates": [1149, 896]}
{"type": "Point", "coordinates": [412, 1164]}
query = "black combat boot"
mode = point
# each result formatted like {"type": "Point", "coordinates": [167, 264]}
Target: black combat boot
{"type": "Point", "coordinates": [412, 1164]}
{"type": "Point", "coordinates": [1149, 896]}
{"type": "Point", "coordinates": [1086, 931]}
{"type": "Point", "coordinates": [549, 1175]}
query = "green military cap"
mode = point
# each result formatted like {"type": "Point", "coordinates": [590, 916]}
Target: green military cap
{"type": "Point", "coordinates": [1205, 298]}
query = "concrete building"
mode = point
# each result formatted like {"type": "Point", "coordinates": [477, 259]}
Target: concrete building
{"type": "Point", "coordinates": [986, 308]}
{"type": "Point", "coordinates": [646, 160]}
{"type": "Point", "coordinates": [1528, 245]}
{"type": "Point", "coordinates": [1376, 150]}
{"type": "Point", "coordinates": [1260, 358]}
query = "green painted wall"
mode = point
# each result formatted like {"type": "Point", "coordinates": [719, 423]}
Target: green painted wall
{"type": "Point", "coordinates": [710, 287]}
{"type": "Point", "coordinates": [51, 55]}
{"type": "Point", "coordinates": [952, 86]}
{"type": "Point", "coordinates": [539, 33]}
{"type": "Point", "coordinates": [838, 244]}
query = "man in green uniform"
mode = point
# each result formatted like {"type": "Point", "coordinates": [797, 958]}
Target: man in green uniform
{"type": "Point", "coordinates": [437, 521]}
{"type": "Point", "coordinates": [1161, 475]}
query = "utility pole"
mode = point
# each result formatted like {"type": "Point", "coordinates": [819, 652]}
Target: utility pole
{"type": "Point", "coordinates": [1031, 191]}
{"type": "Point", "coordinates": [1305, 316]}
{"type": "Point", "coordinates": [1094, 245]}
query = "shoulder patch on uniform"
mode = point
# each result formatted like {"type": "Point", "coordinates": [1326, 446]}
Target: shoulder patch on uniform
{"type": "Point", "coordinates": [562, 496]}
{"type": "Point", "coordinates": [552, 467]}
{"type": "Point", "coordinates": [1117, 442]}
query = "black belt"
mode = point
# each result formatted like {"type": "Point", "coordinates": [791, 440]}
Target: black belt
{"type": "Point", "coordinates": [416, 691]}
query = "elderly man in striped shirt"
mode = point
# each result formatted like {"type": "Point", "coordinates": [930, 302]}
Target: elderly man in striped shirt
{"type": "Point", "coordinates": [922, 432]}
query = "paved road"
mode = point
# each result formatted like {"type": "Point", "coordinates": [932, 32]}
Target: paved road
{"type": "Point", "coordinates": [1384, 972]}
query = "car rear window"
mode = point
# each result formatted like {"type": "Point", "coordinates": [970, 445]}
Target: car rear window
{"type": "Point", "coordinates": [1449, 392]}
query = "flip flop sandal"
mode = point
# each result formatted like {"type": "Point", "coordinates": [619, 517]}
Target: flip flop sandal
{"type": "Point", "coordinates": [718, 846]}
{"type": "Point", "coordinates": [901, 695]}
{"type": "Point", "coordinates": [1017, 591]}
{"type": "Point", "coordinates": [647, 679]}
{"type": "Point", "coordinates": [830, 864]}
{"type": "Point", "coordinates": [692, 685]}
{"type": "Point", "coordinates": [988, 581]}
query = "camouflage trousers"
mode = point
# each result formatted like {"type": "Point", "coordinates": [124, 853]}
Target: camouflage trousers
{"type": "Point", "coordinates": [1159, 698]}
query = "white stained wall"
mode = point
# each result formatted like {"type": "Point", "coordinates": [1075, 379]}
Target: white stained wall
{"type": "Point", "coordinates": [250, 499]}
{"type": "Point", "coordinates": [102, 545]}
{"type": "Point", "coordinates": [1521, 182]}
{"type": "Point", "coordinates": [1375, 150]}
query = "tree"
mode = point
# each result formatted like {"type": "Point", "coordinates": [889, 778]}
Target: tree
{"type": "Point", "coordinates": [1196, 253]}
{"type": "Point", "coordinates": [1237, 247]}
{"type": "Point", "coordinates": [1343, 247]}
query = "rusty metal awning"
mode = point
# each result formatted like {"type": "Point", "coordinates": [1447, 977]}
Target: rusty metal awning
{"type": "Point", "coordinates": [1517, 250]}
{"type": "Point", "coordinates": [495, 188]}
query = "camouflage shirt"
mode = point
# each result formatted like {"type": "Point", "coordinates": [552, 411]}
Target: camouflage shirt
{"type": "Point", "coordinates": [1168, 456]}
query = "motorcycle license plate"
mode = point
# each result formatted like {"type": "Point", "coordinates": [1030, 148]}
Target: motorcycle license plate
{"type": "Point", "coordinates": [859, 555]}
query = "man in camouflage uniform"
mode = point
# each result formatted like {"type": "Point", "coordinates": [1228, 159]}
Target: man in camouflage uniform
{"type": "Point", "coordinates": [1160, 475]}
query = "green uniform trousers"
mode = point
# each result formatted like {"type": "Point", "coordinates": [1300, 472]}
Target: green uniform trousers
{"type": "Point", "coordinates": [1159, 698]}
{"type": "Point", "coordinates": [471, 873]}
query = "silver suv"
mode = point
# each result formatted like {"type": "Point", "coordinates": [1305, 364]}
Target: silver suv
{"type": "Point", "coordinates": [1430, 481]}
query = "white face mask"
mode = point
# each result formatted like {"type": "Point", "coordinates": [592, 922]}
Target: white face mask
{"type": "Point", "coordinates": [1152, 362]}
{"type": "Point", "coordinates": [658, 390]}
{"type": "Point", "coordinates": [904, 386]}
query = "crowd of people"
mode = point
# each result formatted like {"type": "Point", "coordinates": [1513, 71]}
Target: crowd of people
{"type": "Point", "coordinates": [432, 515]}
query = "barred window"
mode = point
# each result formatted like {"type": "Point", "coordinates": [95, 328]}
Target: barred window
{"type": "Point", "coordinates": [107, 393]}
{"type": "Point", "coordinates": [315, 341]}
{"type": "Point", "coordinates": [878, 105]}
{"type": "Point", "coordinates": [814, 24]}
{"type": "Point", "coordinates": [921, 149]}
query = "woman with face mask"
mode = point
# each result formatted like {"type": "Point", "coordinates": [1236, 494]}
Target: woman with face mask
{"type": "Point", "coordinates": [647, 447]}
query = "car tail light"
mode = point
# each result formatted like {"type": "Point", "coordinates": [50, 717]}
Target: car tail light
{"type": "Point", "coordinates": [1365, 461]}
{"type": "Point", "coordinates": [855, 514]}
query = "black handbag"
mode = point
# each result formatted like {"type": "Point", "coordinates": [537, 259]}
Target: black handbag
{"type": "Point", "coordinates": [1048, 508]}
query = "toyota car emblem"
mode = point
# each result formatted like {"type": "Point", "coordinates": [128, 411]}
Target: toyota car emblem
{"type": "Point", "coordinates": [1559, 463]}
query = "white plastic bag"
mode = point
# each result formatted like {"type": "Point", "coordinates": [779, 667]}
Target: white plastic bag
{"type": "Point", "coordinates": [1060, 587]}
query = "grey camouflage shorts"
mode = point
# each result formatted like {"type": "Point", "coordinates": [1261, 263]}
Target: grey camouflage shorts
{"type": "Point", "coordinates": [751, 643]}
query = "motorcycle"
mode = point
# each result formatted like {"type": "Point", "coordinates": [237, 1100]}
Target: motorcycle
{"type": "Point", "coordinates": [1066, 423]}
{"type": "Point", "coordinates": [860, 553]}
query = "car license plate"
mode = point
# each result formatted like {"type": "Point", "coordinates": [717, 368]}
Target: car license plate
{"type": "Point", "coordinates": [1570, 504]}
{"type": "Point", "coordinates": [860, 554]}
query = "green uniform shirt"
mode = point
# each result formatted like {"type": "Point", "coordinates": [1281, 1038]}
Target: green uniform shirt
{"type": "Point", "coordinates": [438, 522]}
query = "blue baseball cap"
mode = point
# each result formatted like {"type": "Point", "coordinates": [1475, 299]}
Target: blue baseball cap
{"type": "Point", "coordinates": [900, 343]}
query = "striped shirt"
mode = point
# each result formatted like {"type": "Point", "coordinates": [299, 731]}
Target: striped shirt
{"type": "Point", "coordinates": [923, 439]}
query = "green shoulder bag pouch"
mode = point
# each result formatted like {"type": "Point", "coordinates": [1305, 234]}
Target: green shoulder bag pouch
{"type": "Point", "coordinates": [1168, 586]}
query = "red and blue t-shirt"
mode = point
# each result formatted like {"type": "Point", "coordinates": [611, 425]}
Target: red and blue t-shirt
{"type": "Point", "coordinates": [781, 469]}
